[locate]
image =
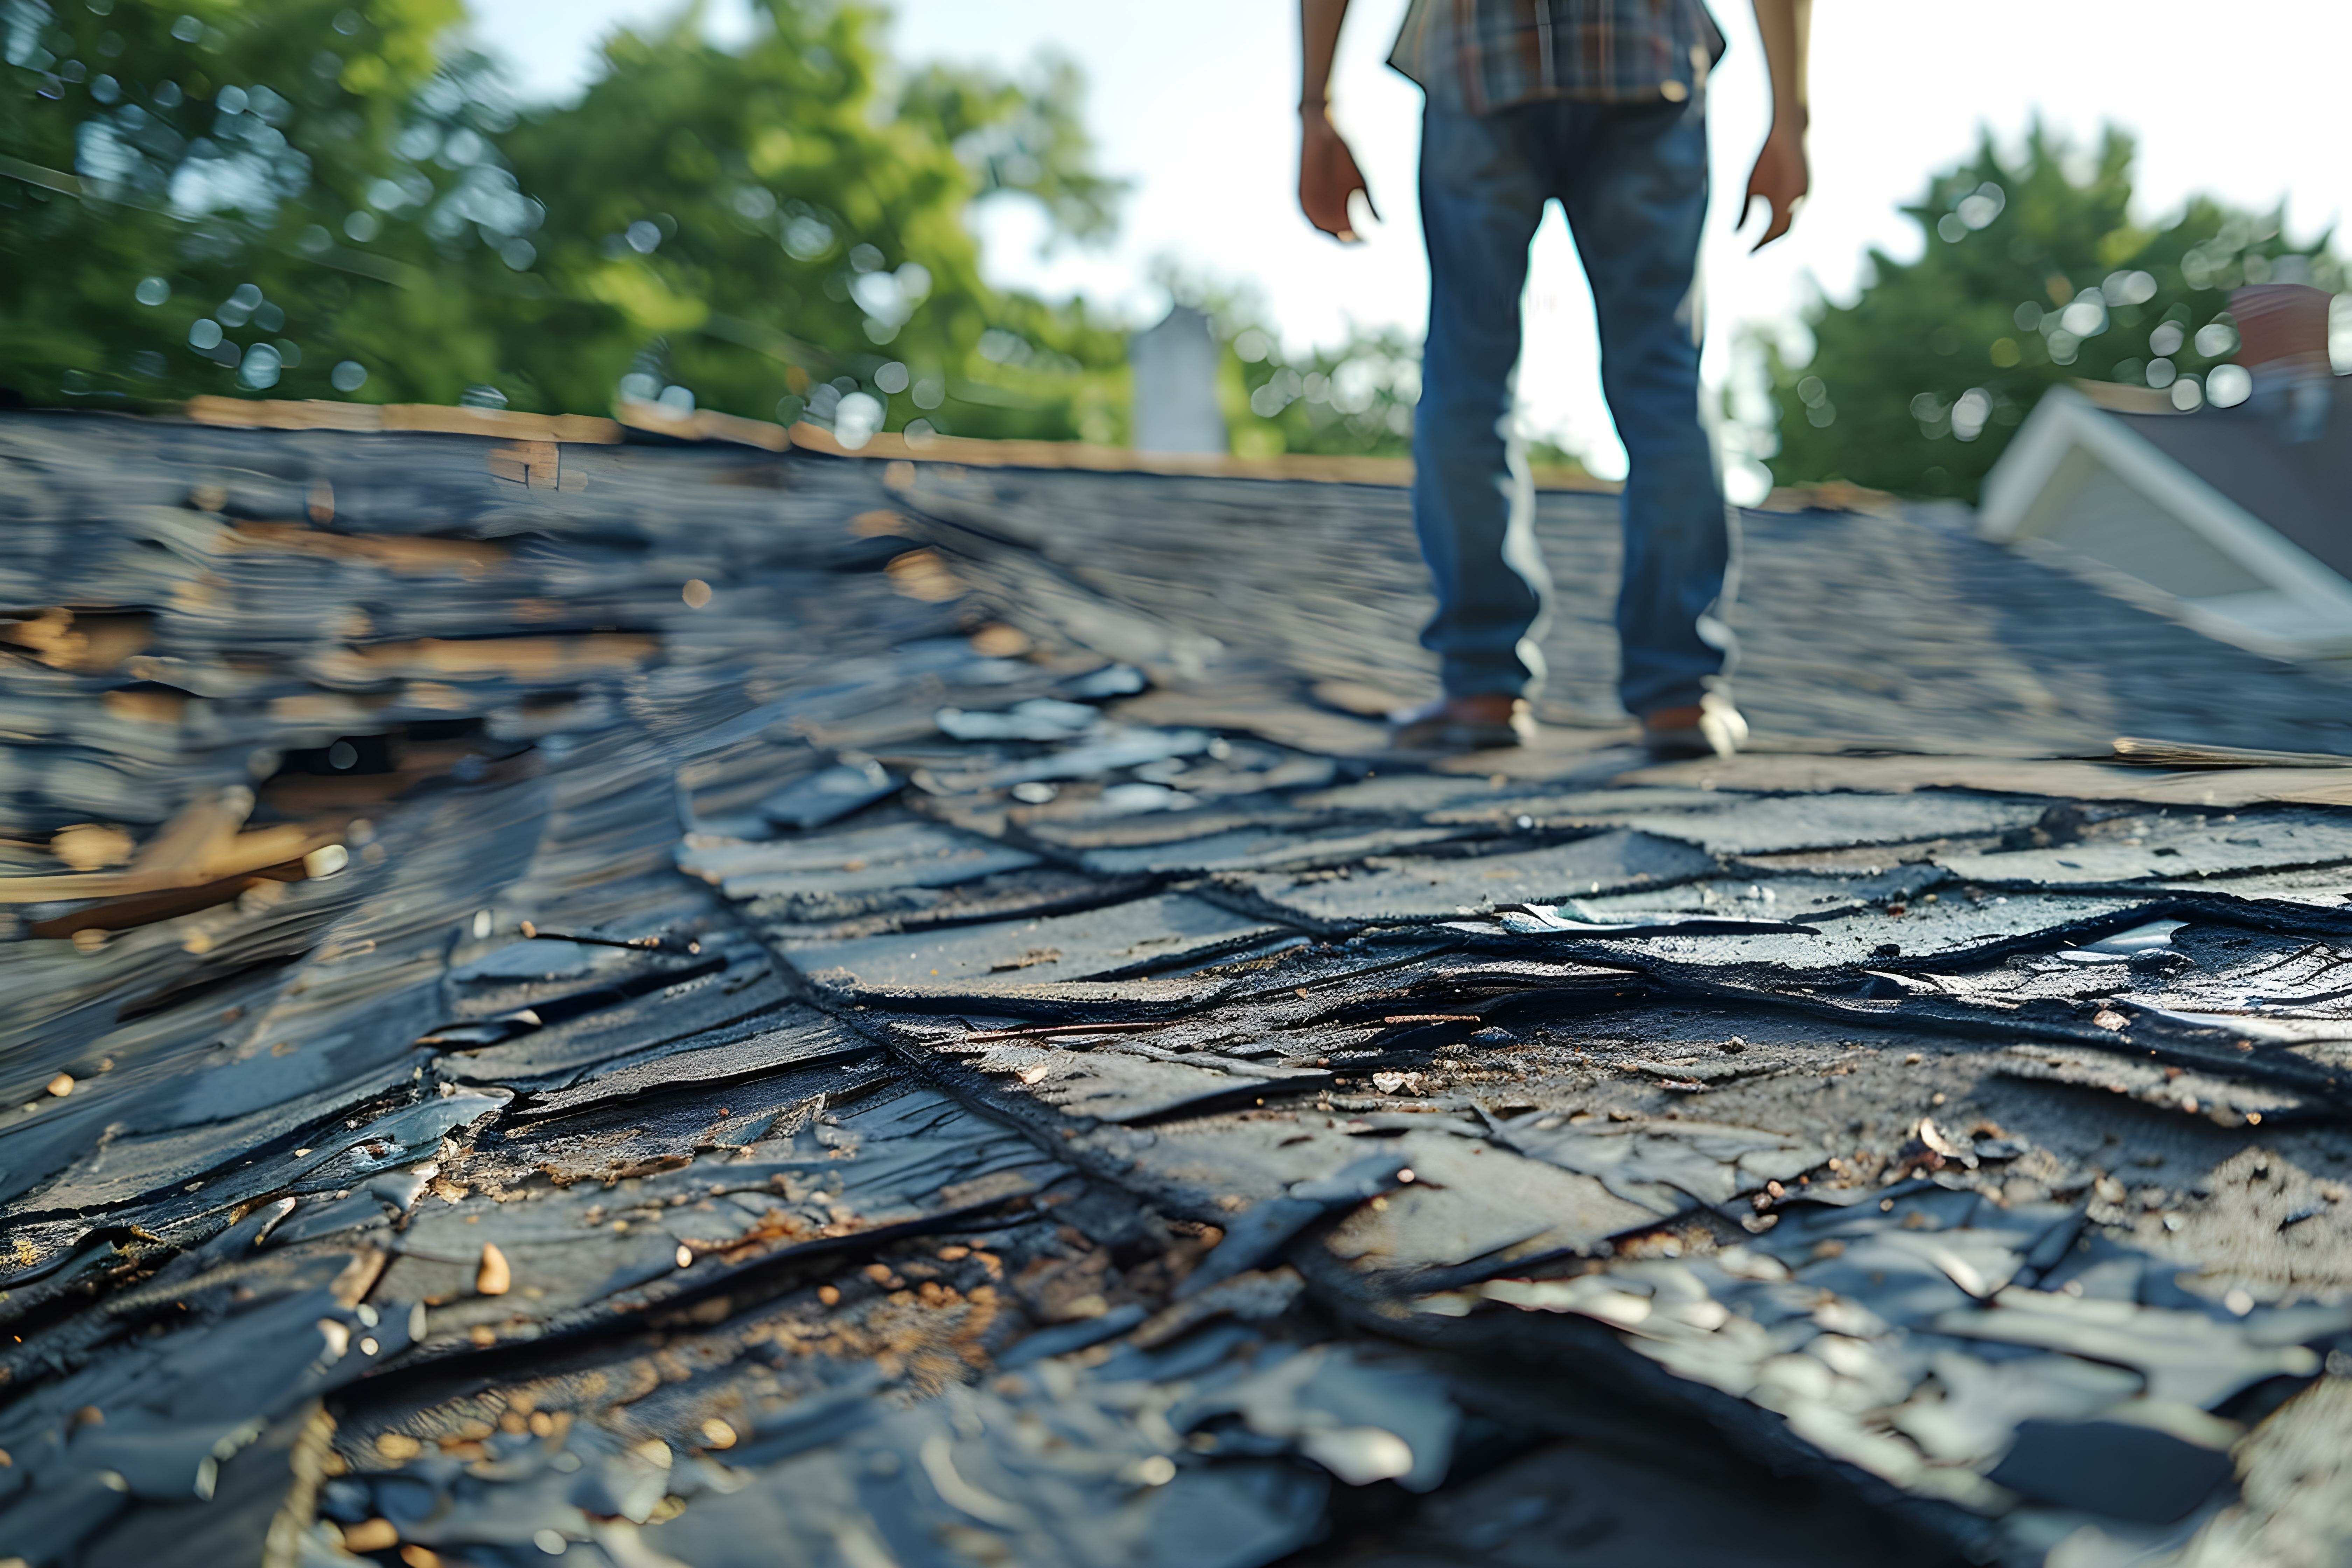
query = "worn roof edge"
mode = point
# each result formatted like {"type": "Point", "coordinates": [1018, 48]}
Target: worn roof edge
{"type": "Point", "coordinates": [973, 452]}
{"type": "Point", "coordinates": [705, 425]}
{"type": "Point", "coordinates": [1394, 473]}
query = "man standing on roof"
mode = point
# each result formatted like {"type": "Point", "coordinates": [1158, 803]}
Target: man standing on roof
{"type": "Point", "coordinates": [1599, 105]}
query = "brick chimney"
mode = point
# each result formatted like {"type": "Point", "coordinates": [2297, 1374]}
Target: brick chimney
{"type": "Point", "coordinates": [2283, 344]}
{"type": "Point", "coordinates": [2281, 326]}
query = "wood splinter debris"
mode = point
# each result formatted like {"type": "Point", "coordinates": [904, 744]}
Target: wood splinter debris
{"type": "Point", "coordinates": [493, 1277]}
{"type": "Point", "coordinates": [369, 1535]}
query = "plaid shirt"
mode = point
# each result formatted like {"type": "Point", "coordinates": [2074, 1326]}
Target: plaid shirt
{"type": "Point", "coordinates": [1486, 54]}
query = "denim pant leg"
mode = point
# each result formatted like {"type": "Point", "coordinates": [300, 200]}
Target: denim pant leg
{"type": "Point", "coordinates": [1473, 501]}
{"type": "Point", "coordinates": [1633, 180]}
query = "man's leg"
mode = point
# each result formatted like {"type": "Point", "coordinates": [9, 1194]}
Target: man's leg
{"type": "Point", "coordinates": [1473, 502]}
{"type": "Point", "coordinates": [1633, 180]}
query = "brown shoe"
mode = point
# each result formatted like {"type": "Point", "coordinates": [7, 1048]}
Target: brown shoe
{"type": "Point", "coordinates": [1477, 723]}
{"type": "Point", "coordinates": [1711, 727]}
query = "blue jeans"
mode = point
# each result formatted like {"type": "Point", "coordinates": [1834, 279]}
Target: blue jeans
{"type": "Point", "coordinates": [1633, 179]}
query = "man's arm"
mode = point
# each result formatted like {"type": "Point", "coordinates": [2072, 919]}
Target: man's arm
{"type": "Point", "coordinates": [1327, 175]}
{"type": "Point", "coordinates": [1780, 178]}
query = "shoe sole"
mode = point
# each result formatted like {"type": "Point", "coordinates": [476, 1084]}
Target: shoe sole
{"type": "Point", "coordinates": [1679, 746]}
{"type": "Point", "coordinates": [1458, 737]}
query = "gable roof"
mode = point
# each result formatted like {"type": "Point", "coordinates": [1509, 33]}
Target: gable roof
{"type": "Point", "coordinates": [2208, 517]}
{"type": "Point", "coordinates": [2302, 489]}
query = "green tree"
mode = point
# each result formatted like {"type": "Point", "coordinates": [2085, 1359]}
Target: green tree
{"type": "Point", "coordinates": [1355, 399]}
{"type": "Point", "coordinates": [298, 198]}
{"type": "Point", "coordinates": [1352, 400]}
{"type": "Point", "coordinates": [755, 226]}
{"type": "Point", "coordinates": [216, 199]}
{"type": "Point", "coordinates": [2031, 276]}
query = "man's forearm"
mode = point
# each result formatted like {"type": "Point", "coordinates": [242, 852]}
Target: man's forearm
{"type": "Point", "coordinates": [1318, 40]}
{"type": "Point", "coordinates": [1785, 27]}
{"type": "Point", "coordinates": [1328, 176]}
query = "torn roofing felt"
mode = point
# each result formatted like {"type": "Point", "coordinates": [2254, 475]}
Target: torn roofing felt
{"type": "Point", "coordinates": [957, 1045]}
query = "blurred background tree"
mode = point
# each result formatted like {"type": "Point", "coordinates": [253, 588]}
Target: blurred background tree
{"type": "Point", "coordinates": [298, 198]}
{"type": "Point", "coordinates": [2033, 274]}
{"type": "Point", "coordinates": [771, 231]}
{"type": "Point", "coordinates": [310, 198]}
{"type": "Point", "coordinates": [219, 199]}
{"type": "Point", "coordinates": [1354, 399]}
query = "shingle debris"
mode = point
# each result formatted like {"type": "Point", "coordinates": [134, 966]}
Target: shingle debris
{"type": "Point", "coordinates": [945, 1046]}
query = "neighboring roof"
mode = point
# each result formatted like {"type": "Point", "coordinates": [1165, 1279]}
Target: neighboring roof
{"type": "Point", "coordinates": [2302, 489]}
{"type": "Point", "coordinates": [2208, 517]}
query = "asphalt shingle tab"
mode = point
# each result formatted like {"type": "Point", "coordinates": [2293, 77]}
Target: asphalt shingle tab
{"type": "Point", "coordinates": [761, 1081]}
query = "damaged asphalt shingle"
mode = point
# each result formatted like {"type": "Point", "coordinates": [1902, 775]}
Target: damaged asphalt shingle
{"type": "Point", "coordinates": [915, 1060]}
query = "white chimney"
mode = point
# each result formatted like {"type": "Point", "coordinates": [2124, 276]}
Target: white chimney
{"type": "Point", "coordinates": [1175, 365]}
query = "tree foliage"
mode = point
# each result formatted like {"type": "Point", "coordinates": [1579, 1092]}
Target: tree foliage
{"type": "Point", "coordinates": [1352, 400]}
{"type": "Point", "coordinates": [302, 198]}
{"type": "Point", "coordinates": [169, 208]}
{"type": "Point", "coordinates": [2033, 274]}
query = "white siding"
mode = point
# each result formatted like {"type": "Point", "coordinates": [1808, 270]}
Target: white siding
{"type": "Point", "coordinates": [2091, 509]}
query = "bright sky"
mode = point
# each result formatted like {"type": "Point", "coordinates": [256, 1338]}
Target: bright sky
{"type": "Point", "coordinates": [1194, 104]}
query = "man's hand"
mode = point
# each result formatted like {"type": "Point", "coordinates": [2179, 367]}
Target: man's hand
{"type": "Point", "coordinates": [1779, 181]}
{"type": "Point", "coordinates": [1786, 29]}
{"type": "Point", "coordinates": [1328, 176]}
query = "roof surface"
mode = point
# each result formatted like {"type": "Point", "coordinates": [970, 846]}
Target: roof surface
{"type": "Point", "coordinates": [714, 1009]}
